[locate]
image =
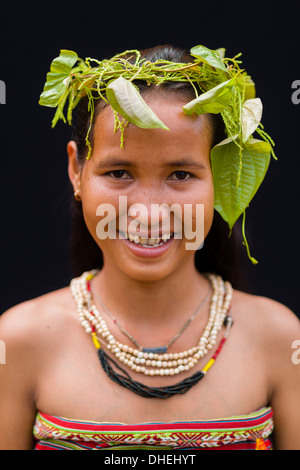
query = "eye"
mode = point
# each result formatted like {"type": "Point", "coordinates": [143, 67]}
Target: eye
{"type": "Point", "coordinates": [180, 175]}
{"type": "Point", "coordinates": [119, 174]}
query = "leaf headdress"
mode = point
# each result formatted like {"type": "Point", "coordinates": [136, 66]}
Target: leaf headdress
{"type": "Point", "coordinates": [239, 163]}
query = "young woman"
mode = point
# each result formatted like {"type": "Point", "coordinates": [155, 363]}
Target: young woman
{"type": "Point", "coordinates": [147, 303]}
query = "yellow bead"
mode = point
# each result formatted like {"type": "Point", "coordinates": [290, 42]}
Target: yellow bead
{"type": "Point", "coordinates": [95, 341]}
{"type": "Point", "coordinates": [208, 365]}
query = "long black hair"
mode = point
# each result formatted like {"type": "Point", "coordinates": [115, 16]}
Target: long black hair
{"type": "Point", "coordinates": [221, 254]}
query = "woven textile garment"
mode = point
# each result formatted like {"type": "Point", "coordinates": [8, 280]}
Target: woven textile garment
{"type": "Point", "coordinates": [250, 431]}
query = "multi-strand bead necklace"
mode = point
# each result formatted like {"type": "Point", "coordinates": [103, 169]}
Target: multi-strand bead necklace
{"type": "Point", "coordinates": [140, 359]}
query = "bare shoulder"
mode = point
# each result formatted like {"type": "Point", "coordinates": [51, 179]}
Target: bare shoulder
{"type": "Point", "coordinates": [31, 333]}
{"type": "Point", "coordinates": [273, 332]}
{"type": "Point", "coordinates": [268, 324]}
{"type": "Point", "coordinates": [36, 317]}
{"type": "Point", "coordinates": [264, 313]}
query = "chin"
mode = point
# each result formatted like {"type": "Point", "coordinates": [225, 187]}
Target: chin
{"type": "Point", "coordinates": [148, 275]}
{"type": "Point", "coordinates": [150, 271]}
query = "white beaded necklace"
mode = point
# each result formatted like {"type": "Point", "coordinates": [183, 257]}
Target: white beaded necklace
{"type": "Point", "coordinates": [157, 350]}
{"type": "Point", "coordinates": [149, 363]}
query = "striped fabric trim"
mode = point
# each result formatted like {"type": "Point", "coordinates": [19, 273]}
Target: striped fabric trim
{"type": "Point", "coordinates": [250, 431]}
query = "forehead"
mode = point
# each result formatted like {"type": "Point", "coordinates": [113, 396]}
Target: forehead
{"type": "Point", "coordinates": [187, 135]}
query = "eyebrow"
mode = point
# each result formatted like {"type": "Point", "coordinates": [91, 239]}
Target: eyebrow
{"type": "Point", "coordinates": [183, 162]}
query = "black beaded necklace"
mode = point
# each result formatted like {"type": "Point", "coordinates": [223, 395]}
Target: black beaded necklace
{"type": "Point", "coordinates": [145, 391]}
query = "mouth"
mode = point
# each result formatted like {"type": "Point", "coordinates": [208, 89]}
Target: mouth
{"type": "Point", "coordinates": [151, 243]}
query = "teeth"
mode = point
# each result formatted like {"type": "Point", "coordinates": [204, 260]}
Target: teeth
{"type": "Point", "coordinates": [166, 236]}
{"type": "Point", "coordinates": [148, 241]}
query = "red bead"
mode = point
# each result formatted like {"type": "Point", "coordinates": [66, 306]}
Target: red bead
{"type": "Point", "coordinates": [219, 348]}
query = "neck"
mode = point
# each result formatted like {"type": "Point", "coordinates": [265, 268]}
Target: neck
{"type": "Point", "coordinates": [128, 299]}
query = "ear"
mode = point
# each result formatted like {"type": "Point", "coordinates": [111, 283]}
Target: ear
{"type": "Point", "coordinates": [74, 167]}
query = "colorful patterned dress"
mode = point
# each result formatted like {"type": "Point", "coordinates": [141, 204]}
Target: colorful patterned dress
{"type": "Point", "coordinates": [245, 432]}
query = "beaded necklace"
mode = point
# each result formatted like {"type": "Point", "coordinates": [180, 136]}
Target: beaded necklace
{"type": "Point", "coordinates": [153, 364]}
{"type": "Point", "coordinates": [156, 350]}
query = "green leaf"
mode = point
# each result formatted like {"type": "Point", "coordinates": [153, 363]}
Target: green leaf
{"type": "Point", "coordinates": [212, 101]}
{"type": "Point", "coordinates": [209, 57]}
{"type": "Point", "coordinates": [250, 91]}
{"type": "Point", "coordinates": [221, 51]}
{"type": "Point", "coordinates": [56, 83]}
{"type": "Point", "coordinates": [127, 101]}
{"type": "Point", "coordinates": [246, 85]}
{"type": "Point", "coordinates": [251, 117]}
{"type": "Point", "coordinates": [228, 167]}
{"type": "Point", "coordinates": [64, 62]}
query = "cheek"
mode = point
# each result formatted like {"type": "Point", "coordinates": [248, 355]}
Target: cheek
{"type": "Point", "coordinates": [97, 203]}
{"type": "Point", "coordinates": [197, 206]}
{"type": "Point", "coordinates": [205, 198]}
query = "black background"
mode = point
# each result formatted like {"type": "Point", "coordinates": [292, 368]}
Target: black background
{"type": "Point", "coordinates": [34, 204]}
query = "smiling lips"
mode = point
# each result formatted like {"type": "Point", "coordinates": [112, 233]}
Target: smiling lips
{"type": "Point", "coordinates": [148, 242]}
{"type": "Point", "coordinates": [143, 246]}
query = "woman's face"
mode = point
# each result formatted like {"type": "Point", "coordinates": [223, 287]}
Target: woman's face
{"type": "Point", "coordinates": [155, 167]}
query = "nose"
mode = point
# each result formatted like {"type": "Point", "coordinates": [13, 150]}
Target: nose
{"type": "Point", "coordinates": [156, 219]}
{"type": "Point", "coordinates": [153, 218]}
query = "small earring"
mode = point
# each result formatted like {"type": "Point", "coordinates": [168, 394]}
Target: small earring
{"type": "Point", "coordinates": [76, 195]}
